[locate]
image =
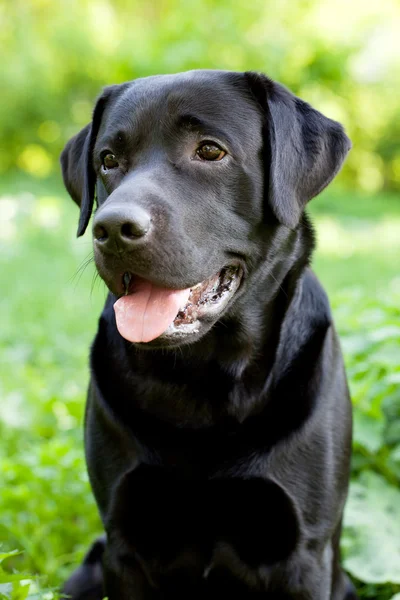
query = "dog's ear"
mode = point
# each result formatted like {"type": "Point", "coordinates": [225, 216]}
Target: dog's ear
{"type": "Point", "coordinates": [76, 161]}
{"type": "Point", "coordinates": [305, 149]}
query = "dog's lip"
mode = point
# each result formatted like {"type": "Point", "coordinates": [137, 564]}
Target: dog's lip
{"type": "Point", "coordinates": [127, 280]}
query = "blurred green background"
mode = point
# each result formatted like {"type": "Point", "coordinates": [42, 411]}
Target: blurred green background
{"type": "Point", "coordinates": [343, 57]}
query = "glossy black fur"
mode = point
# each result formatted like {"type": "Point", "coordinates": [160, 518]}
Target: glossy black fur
{"type": "Point", "coordinates": [220, 467]}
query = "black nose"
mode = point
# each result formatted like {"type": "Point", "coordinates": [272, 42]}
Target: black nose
{"type": "Point", "coordinates": [118, 228]}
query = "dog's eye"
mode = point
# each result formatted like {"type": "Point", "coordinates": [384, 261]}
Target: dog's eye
{"type": "Point", "coordinates": [109, 161]}
{"type": "Point", "coordinates": [210, 152]}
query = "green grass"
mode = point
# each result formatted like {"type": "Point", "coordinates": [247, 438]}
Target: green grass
{"type": "Point", "coordinates": [49, 313]}
{"type": "Point", "coordinates": [358, 241]}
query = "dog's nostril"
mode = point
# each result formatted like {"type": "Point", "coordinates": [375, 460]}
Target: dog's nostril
{"type": "Point", "coordinates": [100, 233]}
{"type": "Point", "coordinates": [133, 230]}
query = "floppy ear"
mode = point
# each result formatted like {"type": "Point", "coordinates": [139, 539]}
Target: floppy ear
{"type": "Point", "coordinates": [305, 148]}
{"type": "Point", "coordinates": [76, 161]}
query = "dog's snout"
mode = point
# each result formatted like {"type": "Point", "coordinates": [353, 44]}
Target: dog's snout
{"type": "Point", "coordinates": [117, 228]}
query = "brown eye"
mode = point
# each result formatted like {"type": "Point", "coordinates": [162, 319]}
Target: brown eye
{"type": "Point", "coordinates": [110, 162]}
{"type": "Point", "coordinates": [210, 152]}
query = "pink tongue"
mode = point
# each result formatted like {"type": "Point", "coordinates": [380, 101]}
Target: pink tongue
{"type": "Point", "coordinates": [146, 313]}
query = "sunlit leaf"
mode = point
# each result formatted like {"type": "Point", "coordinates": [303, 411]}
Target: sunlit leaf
{"type": "Point", "coordinates": [371, 540]}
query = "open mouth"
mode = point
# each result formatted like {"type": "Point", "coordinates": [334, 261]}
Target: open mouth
{"type": "Point", "coordinates": [147, 311]}
{"type": "Point", "coordinates": [208, 295]}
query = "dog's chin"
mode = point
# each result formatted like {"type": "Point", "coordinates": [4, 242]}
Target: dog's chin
{"type": "Point", "coordinates": [207, 302]}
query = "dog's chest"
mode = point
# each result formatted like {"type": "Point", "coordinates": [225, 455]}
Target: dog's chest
{"type": "Point", "coordinates": [172, 522]}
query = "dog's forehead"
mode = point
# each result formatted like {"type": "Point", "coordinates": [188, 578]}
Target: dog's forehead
{"type": "Point", "coordinates": [220, 97]}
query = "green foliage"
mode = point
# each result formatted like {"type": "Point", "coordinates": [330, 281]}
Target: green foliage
{"type": "Point", "coordinates": [372, 530]}
{"type": "Point", "coordinates": [340, 56]}
{"type": "Point", "coordinates": [13, 586]}
{"type": "Point", "coordinates": [370, 333]}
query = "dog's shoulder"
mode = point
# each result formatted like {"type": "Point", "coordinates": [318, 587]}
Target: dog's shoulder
{"type": "Point", "coordinates": [308, 317]}
{"type": "Point", "coordinates": [313, 301]}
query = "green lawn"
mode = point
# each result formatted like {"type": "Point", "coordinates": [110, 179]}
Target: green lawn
{"type": "Point", "coordinates": [49, 308]}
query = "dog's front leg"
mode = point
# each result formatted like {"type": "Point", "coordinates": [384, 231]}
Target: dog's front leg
{"type": "Point", "coordinates": [86, 582]}
{"type": "Point", "coordinates": [124, 578]}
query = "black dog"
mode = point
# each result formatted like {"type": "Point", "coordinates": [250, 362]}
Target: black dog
{"type": "Point", "coordinates": [218, 423]}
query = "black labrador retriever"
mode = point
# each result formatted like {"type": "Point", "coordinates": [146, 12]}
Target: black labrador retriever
{"type": "Point", "coordinates": [218, 422]}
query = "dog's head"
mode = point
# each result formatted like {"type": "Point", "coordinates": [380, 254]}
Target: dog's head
{"type": "Point", "coordinates": [192, 174]}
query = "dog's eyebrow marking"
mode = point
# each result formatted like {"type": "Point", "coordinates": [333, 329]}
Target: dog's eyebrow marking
{"type": "Point", "coordinates": [197, 125]}
{"type": "Point", "coordinates": [119, 137]}
{"type": "Point", "coordinates": [119, 141]}
{"type": "Point", "coordinates": [190, 122]}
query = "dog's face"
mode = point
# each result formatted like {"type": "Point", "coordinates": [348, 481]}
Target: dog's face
{"type": "Point", "coordinates": [195, 175]}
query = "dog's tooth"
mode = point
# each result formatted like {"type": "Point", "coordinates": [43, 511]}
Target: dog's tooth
{"type": "Point", "coordinates": [127, 279]}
